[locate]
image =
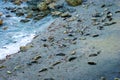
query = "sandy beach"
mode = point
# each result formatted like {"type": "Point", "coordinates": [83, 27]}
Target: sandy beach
{"type": "Point", "coordinates": [81, 46]}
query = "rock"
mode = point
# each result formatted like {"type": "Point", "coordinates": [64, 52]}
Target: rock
{"type": "Point", "coordinates": [29, 15]}
{"type": "Point", "coordinates": [56, 63]}
{"type": "Point", "coordinates": [20, 14]}
{"type": "Point", "coordinates": [65, 15]}
{"type": "Point", "coordinates": [91, 63]}
{"type": "Point", "coordinates": [49, 79]}
{"type": "Point", "coordinates": [42, 6]}
{"type": "Point", "coordinates": [1, 67]}
{"type": "Point", "coordinates": [73, 53]}
{"type": "Point", "coordinates": [117, 11]}
{"type": "Point", "coordinates": [5, 28]}
{"type": "Point", "coordinates": [43, 70]}
{"type": "Point", "coordinates": [102, 78]}
{"type": "Point", "coordinates": [93, 55]}
{"type": "Point", "coordinates": [72, 58]}
{"type": "Point", "coordinates": [9, 72]}
{"type": "Point", "coordinates": [25, 48]}
{"type": "Point", "coordinates": [1, 22]}
{"type": "Point", "coordinates": [52, 5]}
{"type": "Point", "coordinates": [95, 35]}
{"type": "Point", "coordinates": [71, 19]}
{"type": "Point", "coordinates": [60, 54]}
{"type": "Point", "coordinates": [74, 2]}
{"type": "Point", "coordinates": [37, 57]}
{"type": "Point", "coordinates": [24, 20]}
{"type": "Point", "coordinates": [56, 13]}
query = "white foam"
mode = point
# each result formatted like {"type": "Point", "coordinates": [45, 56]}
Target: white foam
{"type": "Point", "coordinates": [14, 47]}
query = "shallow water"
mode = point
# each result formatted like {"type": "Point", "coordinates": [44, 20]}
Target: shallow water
{"type": "Point", "coordinates": [17, 33]}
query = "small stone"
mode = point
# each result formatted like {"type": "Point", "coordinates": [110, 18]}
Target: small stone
{"type": "Point", "coordinates": [92, 55]}
{"type": "Point", "coordinates": [49, 79]}
{"type": "Point", "coordinates": [51, 38]}
{"type": "Point", "coordinates": [45, 45]}
{"type": "Point", "coordinates": [117, 11]}
{"type": "Point", "coordinates": [9, 72]}
{"type": "Point", "coordinates": [34, 61]}
{"type": "Point", "coordinates": [72, 58]}
{"type": "Point", "coordinates": [17, 67]}
{"type": "Point", "coordinates": [37, 57]}
{"type": "Point", "coordinates": [25, 48]}
{"type": "Point", "coordinates": [94, 19]}
{"type": "Point", "coordinates": [91, 63]}
{"type": "Point", "coordinates": [24, 20]}
{"type": "Point", "coordinates": [71, 19]}
{"type": "Point", "coordinates": [103, 6]}
{"type": "Point", "coordinates": [52, 5]}
{"type": "Point", "coordinates": [60, 54]}
{"type": "Point", "coordinates": [44, 40]}
{"type": "Point", "coordinates": [56, 13]}
{"type": "Point", "coordinates": [96, 15]}
{"type": "Point", "coordinates": [73, 52]}
{"type": "Point", "coordinates": [65, 14]}
{"type": "Point", "coordinates": [43, 70]}
{"type": "Point", "coordinates": [1, 67]}
{"type": "Point", "coordinates": [95, 35]}
{"type": "Point", "coordinates": [5, 28]}
{"type": "Point", "coordinates": [56, 63]}
{"type": "Point", "coordinates": [8, 15]}
{"type": "Point", "coordinates": [100, 27]}
{"type": "Point", "coordinates": [1, 22]}
{"type": "Point", "coordinates": [20, 14]}
{"type": "Point", "coordinates": [29, 15]}
{"type": "Point", "coordinates": [102, 78]}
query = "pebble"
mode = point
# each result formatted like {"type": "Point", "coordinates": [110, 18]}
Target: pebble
{"type": "Point", "coordinates": [5, 28]}
{"type": "Point", "coordinates": [91, 63]}
{"type": "Point", "coordinates": [24, 20]}
{"type": "Point", "coordinates": [9, 72]}
{"type": "Point", "coordinates": [60, 54]}
{"type": "Point", "coordinates": [92, 55]}
{"type": "Point", "coordinates": [95, 35]}
{"type": "Point", "coordinates": [72, 58]}
{"type": "Point", "coordinates": [37, 57]}
{"type": "Point", "coordinates": [49, 79]}
{"type": "Point", "coordinates": [117, 11]}
{"type": "Point", "coordinates": [1, 22]}
{"type": "Point", "coordinates": [1, 67]}
{"type": "Point", "coordinates": [56, 63]}
{"type": "Point", "coordinates": [43, 70]}
{"type": "Point", "coordinates": [102, 78]}
{"type": "Point", "coordinates": [73, 52]}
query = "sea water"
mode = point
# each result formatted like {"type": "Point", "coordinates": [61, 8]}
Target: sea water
{"type": "Point", "coordinates": [17, 33]}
